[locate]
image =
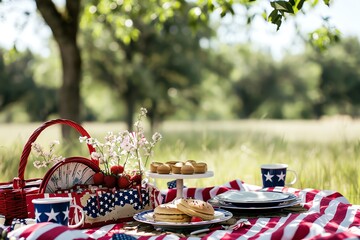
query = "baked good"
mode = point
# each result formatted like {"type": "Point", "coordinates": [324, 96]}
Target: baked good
{"type": "Point", "coordinates": [169, 212]}
{"type": "Point", "coordinates": [176, 168]}
{"type": "Point", "coordinates": [172, 162]}
{"type": "Point", "coordinates": [195, 208]}
{"type": "Point", "coordinates": [163, 169]}
{"type": "Point", "coordinates": [192, 162]}
{"type": "Point", "coordinates": [154, 166]}
{"type": "Point", "coordinates": [200, 167]}
{"type": "Point", "coordinates": [187, 168]}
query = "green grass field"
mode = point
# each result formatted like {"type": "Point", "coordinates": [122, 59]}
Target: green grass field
{"type": "Point", "coordinates": [324, 153]}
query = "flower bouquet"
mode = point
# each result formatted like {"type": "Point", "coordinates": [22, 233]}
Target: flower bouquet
{"type": "Point", "coordinates": [122, 155]}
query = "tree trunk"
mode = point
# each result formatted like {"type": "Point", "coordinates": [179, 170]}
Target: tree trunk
{"type": "Point", "coordinates": [152, 116]}
{"type": "Point", "coordinates": [70, 89]}
{"type": "Point", "coordinates": [64, 26]}
{"type": "Point", "coordinates": [130, 93]}
{"type": "Point", "coordinates": [130, 99]}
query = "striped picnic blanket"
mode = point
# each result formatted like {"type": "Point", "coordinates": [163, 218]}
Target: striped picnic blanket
{"type": "Point", "coordinates": [329, 216]}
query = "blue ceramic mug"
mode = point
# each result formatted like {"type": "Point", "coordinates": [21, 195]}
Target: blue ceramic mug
{"type": "Point", "coordinates": [56, 210]}
{"type": "Point", "coordinates": [274, 175]}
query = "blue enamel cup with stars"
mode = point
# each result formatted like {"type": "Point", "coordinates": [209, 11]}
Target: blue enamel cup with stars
{"type": "Point", "coordinates": [55, 210]}
{"type": "Point", "coordinates": [274, 175]}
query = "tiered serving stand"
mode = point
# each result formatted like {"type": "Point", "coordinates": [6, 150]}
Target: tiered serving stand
{"type": "Point", "coordinates": [180, 179]}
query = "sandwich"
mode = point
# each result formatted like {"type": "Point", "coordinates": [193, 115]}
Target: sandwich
{"type": "Point", "coordinates": [169, 212]}
{"type": "Point", "coordinates": [195, 208]}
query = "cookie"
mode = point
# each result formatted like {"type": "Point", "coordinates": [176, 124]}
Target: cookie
{"type": "Point", "coordinates": [176, 168]}
{"type": "Point", "coordinates": [154, 166]}
{"type": "Point", "coordinates": [187, 169]}
{"type": "Point", "coordinates": [200, 167]}
{"type": "Point", "coordinates": [163, 169]}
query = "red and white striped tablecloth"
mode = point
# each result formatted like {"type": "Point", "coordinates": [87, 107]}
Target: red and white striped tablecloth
{"type": "Point", "coordinates": [329, 216]}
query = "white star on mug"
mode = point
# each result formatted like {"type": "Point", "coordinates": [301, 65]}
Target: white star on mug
{"type": "Point", "coordinates": [281, 177]}
{"type": "Point", "coordinates": [52, 215]}
{"type": "Point", "coordinates": [66, 213]}
{"type": "Point", "coordinates": [268, 177]}
{"type": "Point", "coordinates": [37, 215]}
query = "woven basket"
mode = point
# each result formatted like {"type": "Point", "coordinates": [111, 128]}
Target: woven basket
{"type": "Point", "coordinates": [13, 193]}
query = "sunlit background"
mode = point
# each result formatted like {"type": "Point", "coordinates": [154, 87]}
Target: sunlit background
{"type": "Point", "coordinates": [271, 97]}
{"type": "Point", "coordinates": [343, 15]}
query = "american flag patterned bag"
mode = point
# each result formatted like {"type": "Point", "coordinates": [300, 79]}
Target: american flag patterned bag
{"type": "Point", "coordinates": [103, 206]}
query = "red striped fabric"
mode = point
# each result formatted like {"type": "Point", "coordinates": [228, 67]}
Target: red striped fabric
{"type": "Point", "coordinates": [329, 216]}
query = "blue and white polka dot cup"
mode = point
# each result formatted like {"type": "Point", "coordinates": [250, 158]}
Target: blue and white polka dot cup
{"type": "Point", "coordinates": [274, 175]}
{"type": "Point", "coordinates": [56, 210]}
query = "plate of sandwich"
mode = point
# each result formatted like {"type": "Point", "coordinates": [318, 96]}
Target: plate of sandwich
{"type": "Point", "coordinates": [183, 215]}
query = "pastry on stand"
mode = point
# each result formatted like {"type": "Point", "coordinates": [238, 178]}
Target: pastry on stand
{"type": "Point", "coordinates": [188, 170]}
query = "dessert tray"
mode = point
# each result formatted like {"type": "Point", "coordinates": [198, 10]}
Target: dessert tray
{"type": "Point", "coordinates": [180, 176]}
{"type": "Point", "coordinates": [254, 200]}
{"type": "Point", "coordinates": [221, 215]}
{"type": "Point", "coordinates": [180, 179]}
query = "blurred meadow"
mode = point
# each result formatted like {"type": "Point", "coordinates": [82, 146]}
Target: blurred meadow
{"type": "Point", "coordinates": [324, 153]}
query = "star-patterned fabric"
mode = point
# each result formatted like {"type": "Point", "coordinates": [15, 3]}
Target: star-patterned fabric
{"type": "Point", "coordinates": [172, 184]}
{"type": "Point", "coordinates": [99, 204]}
{"type": "Point", "coordinates": [104, 203]}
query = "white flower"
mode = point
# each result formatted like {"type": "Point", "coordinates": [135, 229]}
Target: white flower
{"type": "Point", "coordinates": [143, 141]}
{"type": "Point", "coordinates": [37, 164]}
{"type": "Point", "coordinates": [143, 111]}
{"type": "Point", "coordinates": [47, 158]}
{"type": "Point", "coordinates": [82, 138]}
{"type": "Point", "coordinates": [95, 155]}
{"type": "Point", "coordinates": [125, 147]}
{"type": "Point", "coordinates": [156, 137]}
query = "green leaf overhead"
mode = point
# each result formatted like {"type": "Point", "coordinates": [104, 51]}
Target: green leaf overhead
{"type": "Point", "coordinates": [275, 18]}
{"type": "Point", "coordinates": [282, 6]}
{"type": "Point", "coordinates": [300, 3]}
{"type": "Point", "coordinates": [327, 2]}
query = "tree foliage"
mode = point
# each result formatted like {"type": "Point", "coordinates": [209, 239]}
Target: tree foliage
{"type": "Point", "coordinates": [146, 65]}
{"type": "Point", "coordinates": [339, 79]}
{"type": "Point", "coordinates": [18, 88]}
{"type": "Point", "coordinates": [271, 89]}
{"type": "Point", "coordinates": [16, 77]}
{"type": "Point", "coordinates": [158, 67]}
{"type": "Point", "coordinates": [326, 83]}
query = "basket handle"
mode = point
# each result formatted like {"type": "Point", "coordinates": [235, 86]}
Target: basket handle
{"type": "Point", "coordinates": [19, 181]}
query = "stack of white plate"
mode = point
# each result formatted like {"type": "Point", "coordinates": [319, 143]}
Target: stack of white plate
{"type": "Point", "coordinates": [254, 200]}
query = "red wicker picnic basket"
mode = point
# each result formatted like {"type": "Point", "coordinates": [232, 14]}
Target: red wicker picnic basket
{"type": "Point", "coordinates": [13, 193]}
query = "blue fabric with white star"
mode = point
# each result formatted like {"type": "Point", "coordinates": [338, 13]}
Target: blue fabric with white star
{"type": "Point", "coordinates": [172, 184]}
{"type": "Point", "coordinates": [18, 222]}
{"type": "Point", "coordinates": [104, 203]}
{"type": "Point", "coordinates": [122, 236]}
